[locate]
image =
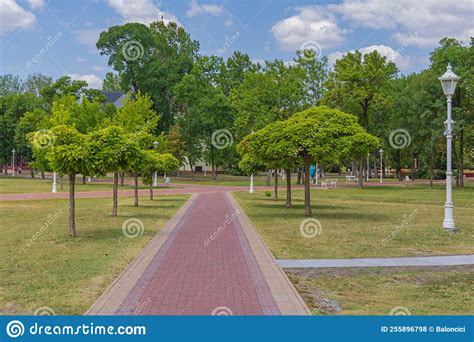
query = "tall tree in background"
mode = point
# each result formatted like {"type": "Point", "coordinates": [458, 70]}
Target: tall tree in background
{"type": "Point", "coordinates": [151, 60]}
{"type": "Point", "coordinates": [358, 83]}
{"type": "Point", "coordinates": [316, 75]}
{"type": "Point", "coordinates": [461, 58]}
{"type": "Point", "coordinates": [111, 82]}
{"type": "Point", "coordinates": [207, 113]}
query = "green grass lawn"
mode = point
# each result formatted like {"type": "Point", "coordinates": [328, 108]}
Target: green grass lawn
{"type": "Point", "coordinates": [223, 180]}
{"type": "Point", "coordinates": [390, 221]}
{"type": "Point", "coordinates": [378, 292]}
{"type": "Point", "coordinates": [14, 185]}
{"type": "Point", "coordinates": [63, 273]}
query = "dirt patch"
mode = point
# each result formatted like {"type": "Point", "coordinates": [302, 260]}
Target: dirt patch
{"type": "Point", "coordinates": [314, 297]}
{"type": "Point", "coordinates": [313, 273]}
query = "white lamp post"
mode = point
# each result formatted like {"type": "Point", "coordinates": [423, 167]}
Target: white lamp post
{"type": "Point", "coordinates": [251, 191]}
{"type": "Point", "coordinates": [449, 81]}
{"type": "Point", "coordinates": [13, 163]}
{"type": "Point", "coordinates": [54, 190]}
{"type": "Point", "coordinates": [381, 165]}
{"type": "Point", "coordinates": [368, 166]}
{"type": "Point", "coordinates": [155, 175]}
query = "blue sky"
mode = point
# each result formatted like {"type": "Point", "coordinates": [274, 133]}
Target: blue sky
{"type": "Point", "coordinates": [57, 37]}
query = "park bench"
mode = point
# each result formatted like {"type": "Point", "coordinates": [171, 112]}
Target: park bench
{"type": "Point", "coordinates": [350, 179]}
{"type": "Point", "coordinates": [331, 182]}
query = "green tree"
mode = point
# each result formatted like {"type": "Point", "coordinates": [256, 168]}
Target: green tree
{"type": "Point", "coordinates": [114, 151]}
{"type": "Point", "coordinates": [462, 59]}
{"type": "Point", "coordinates": [111, 82]}
{"type": "Point", "coordinates": [70, 155]}
{"type": "Point", "coordinates": [11, 84]}
{"type": "Point", "coordinates": [316, 134]}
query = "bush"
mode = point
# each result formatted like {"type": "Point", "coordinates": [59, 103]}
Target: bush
{"type": "Point", "coordinates": [268, 193]}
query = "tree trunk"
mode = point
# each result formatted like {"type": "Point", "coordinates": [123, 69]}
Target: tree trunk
{"type": "Point", "coordinates": [307, 193]}
{"type": "Point", "coordinates": [72, 206]}
{"type": "Point", "coordinates": [432, 166]}
{"type": "Point", "coordinates": [32, 173]}
{"type": "Point", "coordinates": [151, 188]}
{"type": "Point", "coordinates": [135, 175]}
{"type": "Point", "coordinates": [122, 179]}
{"type": "Point", "coordinates": [361, 172]}
{"type": "Point", "coordinates": [42, 175]}
{"type": "Point", "coordinates": [276, 184]}
{"type": "Point", "coordinates": [214, 171]}
{"type": "Point", "coordinates": [83, 179]}
{"type": "Point", "coordinates": [269, 177]}
{"type": "Point", "coordinates": [354, 168]}
{"type": "Point", "coordinates": [115, 194]}
{"type": "Point", "coordinates": [288, 188]}
{"type": "Point", "coordinates": [299, 177]}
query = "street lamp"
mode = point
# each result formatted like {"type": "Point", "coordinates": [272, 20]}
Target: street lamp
{"type": "Point", "coordinates": [381, 165]}
{"type": "Point", "coordinates": [251, 191]}
{"type": "Point", "coordinates": [449, 81]}
{"type": "Point", "coordinates": [13, 163]}
{"type": "Point", "coordinates": [54, 190]}
{"type": "Point", "coordinates": [368, 166]}
{"type": "Point", "coordinates": [155, 175]}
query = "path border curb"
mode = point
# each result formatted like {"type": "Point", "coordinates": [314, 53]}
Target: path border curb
{"type": "Point", "coordinates": [286, 296]}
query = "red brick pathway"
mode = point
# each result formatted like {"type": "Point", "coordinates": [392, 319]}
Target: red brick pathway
{"type": "Point", "coordinates": [194, 275]}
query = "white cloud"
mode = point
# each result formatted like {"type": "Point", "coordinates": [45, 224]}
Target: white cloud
{"type": "Point", "coordinates": [98, 68]}
{"type": "Point", "coordinates": [81, 60]}
{"type": "Point", "coordinates": [197, 9]}
{"type": "Point", "coordinates": [13, 16]}
{"type": "Point", "coordinates": [403, 62]}
{"type": "Point", "coordinates": [421, 23]}
{"type": "Point", "coordinates": [87, 37]}
{"type": "Point", "coordinates": [141, 11]}
{"type": "Point", "coordinates": [310, 24]}
{"type": "Point", "coordinates": [36, 4]}
{"type": "Point", "coordinates": [92, 80]}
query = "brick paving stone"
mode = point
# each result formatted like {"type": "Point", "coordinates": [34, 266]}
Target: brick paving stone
{"type": "Point", "coordinates": [206, 264]}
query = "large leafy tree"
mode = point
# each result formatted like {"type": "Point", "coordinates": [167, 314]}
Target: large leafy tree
{"type": "Point", "coordinates": [316, 134]}
{"type": "Point", "coordinates": [461, 58]}
{"type": "Point", "coordinates": [360, 81]}
{"type": "Point", "coordinates": [206, 110]}
{"type": "Point", "coordinates": [151, 60]}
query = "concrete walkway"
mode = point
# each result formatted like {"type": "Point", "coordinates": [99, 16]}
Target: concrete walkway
{"type": "Point", "coordinates": [451, 260]}
{"type": "Point", "coordinates": [207, 260]}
